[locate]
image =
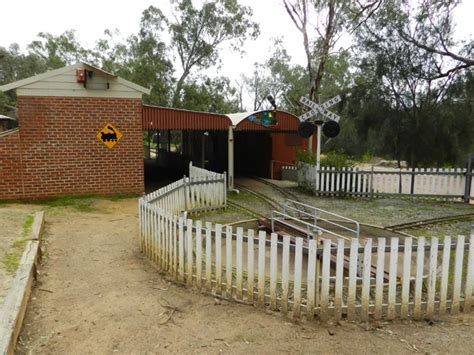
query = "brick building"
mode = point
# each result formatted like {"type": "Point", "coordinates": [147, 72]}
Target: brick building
{"type": "Point", "coordinates": [79, 133]}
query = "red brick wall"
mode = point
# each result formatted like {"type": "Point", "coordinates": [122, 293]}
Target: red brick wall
{"type": "Point", "coordinates": [10, 166]}
{"type": "Point", "coordinates": [61, 154]}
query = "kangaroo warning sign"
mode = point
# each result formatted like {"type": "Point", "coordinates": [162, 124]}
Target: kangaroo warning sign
{"type": "Point", "coordinates": [109, 135]}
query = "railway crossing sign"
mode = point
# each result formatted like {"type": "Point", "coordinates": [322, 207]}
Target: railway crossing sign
{"type": "Point", "coordinates": [109, 135]}
{"type": "Point", "coordinates": [330, 128]}
{"type": "Point", "coordinates": [322, 109]}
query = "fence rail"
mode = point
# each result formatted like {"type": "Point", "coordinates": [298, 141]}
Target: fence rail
{"type": "Point", "coordinates": [453, 184]}
{"type": "Point", "coordinates": [304, 277]}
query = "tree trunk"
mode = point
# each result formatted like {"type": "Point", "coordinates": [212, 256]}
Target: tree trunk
{"type": "Point", "coordinates": [179, 87]}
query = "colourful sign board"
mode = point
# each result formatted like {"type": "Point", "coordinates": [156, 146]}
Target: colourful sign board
{"type": "Point", "coordinates": [264, 118]}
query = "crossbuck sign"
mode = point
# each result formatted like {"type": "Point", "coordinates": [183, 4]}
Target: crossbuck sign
{"type": "Point", "coordinates": [322, 109]}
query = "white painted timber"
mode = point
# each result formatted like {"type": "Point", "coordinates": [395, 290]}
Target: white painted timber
{"type": "Point", "coordinates": [273, 270]}
{"type": "Point", "coordinates": [458, 263]}
{"type": "Point", "coordinates": [311, 279]}
{"type": "Point", "coordinates": [174, 250]}
{"type": "Point", "coordinates": [406, 278]}
{"type": "Point", "coordinates": [297, 278]}
{"type": "Point", "coordinates": [420, 257]}
{"type": "Point", "coordinates": [469, 277]}
{"type": "Point", "coordinates": [285, 273]}
{"type": "Point", "coordinates": [262, 236]}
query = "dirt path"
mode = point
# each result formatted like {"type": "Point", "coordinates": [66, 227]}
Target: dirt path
{"type": "Point", "coordinates": [97, 294]}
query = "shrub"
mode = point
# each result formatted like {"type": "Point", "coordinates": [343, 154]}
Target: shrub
{"type": "Point", "coordinates": [304, 156]}
{"type": "Point", "coordinates": [336, 160]}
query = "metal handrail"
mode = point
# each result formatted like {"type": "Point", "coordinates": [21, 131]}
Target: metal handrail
{"type": "Point", "coordinates": [356, 231]}
{"type": "Point", "coordinates": [313, 226]}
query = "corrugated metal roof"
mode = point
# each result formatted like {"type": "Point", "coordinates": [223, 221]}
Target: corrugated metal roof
{"type": "Point", "coordinates": [157, 117]}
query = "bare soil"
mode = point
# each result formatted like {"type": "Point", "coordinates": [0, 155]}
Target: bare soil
{"type": "Point", "coordinates": [97, 294]}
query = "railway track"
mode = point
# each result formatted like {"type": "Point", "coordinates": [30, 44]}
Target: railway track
{"type": "Point", "coordinates": [280, 189]}
{"type": "Point", "coordinates": [245, 209]}
{"type": "Point", "coordinates": [268, 200]}
{"type": "Point", "coordinates": [271, 202]}
{"type": "Point", "coordinates": [431, 221]}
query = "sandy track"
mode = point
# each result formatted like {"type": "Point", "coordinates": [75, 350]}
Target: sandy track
{"type": "Point", "coordinates": [97, 294]}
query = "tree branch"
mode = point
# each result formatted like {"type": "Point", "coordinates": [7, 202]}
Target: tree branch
{"type": "Point", "coordinates": [445, 53]}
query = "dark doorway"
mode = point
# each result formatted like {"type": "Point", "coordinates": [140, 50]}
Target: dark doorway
{"type": "Point", "coordinates": [253, 153]}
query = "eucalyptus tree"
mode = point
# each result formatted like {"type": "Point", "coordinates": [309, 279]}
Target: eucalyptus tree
{"type": "Point", "coordinates": [58, 51]}
{"type": "Point", "coordinates": [142, 58]}
{"type": "Point", "coordinates": [197, 34]}
{"type": "Point", "coordinates": [415, 79]}
{"type": "Point", "coordinates": [322, 23]}
{"type": "Point", "coordinates": [210, 95]}
{"type": "Point", "coordinates": [15, 65]}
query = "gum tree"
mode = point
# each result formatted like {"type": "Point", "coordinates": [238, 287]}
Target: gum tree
{"type": "Point", "coordinates": [198, 33]}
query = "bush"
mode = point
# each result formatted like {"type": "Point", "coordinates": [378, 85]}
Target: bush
{"type": "Point", "coordinates": [331, 159]}
{"type": "Point", "coordinates": [336, 160]}
{"type": "Point", "coordinates": [303, 156]}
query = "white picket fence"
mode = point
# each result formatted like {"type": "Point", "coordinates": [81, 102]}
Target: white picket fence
{"type": "Point", "coordinates": [358, 279]}
{"type": "Point", "coordinates": [190, 194]}
{"type": "Point", "coordinates": [195, 171]}
{"type": "Point", "coordinates": [435, 183]}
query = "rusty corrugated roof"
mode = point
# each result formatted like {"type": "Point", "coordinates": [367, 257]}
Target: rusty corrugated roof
{"type": "Point", "coordinates": [157, 117]}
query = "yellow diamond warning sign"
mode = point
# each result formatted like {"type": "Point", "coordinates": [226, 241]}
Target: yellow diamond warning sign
{"type": "Point", "coordinates": [109, 135]}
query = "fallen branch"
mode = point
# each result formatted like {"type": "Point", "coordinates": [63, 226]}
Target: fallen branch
{"type": "Point", "coordinates": [168, 318]}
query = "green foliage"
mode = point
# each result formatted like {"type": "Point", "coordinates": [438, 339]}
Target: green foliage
{"type": "Point", "coordinates": [197, 34]}
{"type": "Point", "coordinates": [330, 159]}
{"type": "Point", "coordinates": [366, 158]}
{"type": "Point", "coordinates": [142, 58]}
{"type": "Point", "coordinates": [14, 66]}
{"type": "Point", "coordinates": [399, 101]}
{"type": "Point", "coordinates": [211, 95]}
{"type": "Point", "coordinates": [304, 156]}
{"type": "Point", "coordinates": [336, 160]}
{"type": "Point", "coordinates": [58, 51]}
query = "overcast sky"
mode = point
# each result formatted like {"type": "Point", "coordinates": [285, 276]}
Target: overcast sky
{"type": "Point", "coordinates": [22, 20]}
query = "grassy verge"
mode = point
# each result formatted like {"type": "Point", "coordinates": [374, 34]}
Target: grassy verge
{"type": "Point", "coordinates": [83, 203]}
{"type": "Point", "coordinates": [11, 260]}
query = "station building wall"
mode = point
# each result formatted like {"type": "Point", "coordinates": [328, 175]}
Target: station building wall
{"type": "Point", "coordinates": [56, 151]}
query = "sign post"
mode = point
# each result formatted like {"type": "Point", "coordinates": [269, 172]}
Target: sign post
{"type": "Point", "coordinates": [318, 153]}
